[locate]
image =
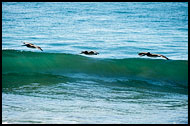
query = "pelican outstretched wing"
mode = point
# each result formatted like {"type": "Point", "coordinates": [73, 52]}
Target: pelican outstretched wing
{"type": "Point", "coordinates": [164, 57]}
{"type": "Point", "coordinates": [38, 48]}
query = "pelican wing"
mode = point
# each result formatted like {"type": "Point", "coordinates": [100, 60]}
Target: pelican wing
{"type": "Point", "coordinates": [39, 48]}
{"type": "Point", "coordinates": [164, 57]}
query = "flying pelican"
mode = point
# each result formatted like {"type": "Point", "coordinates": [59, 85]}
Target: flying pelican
{"type": "Point", "coordinates": [30, 45]}
{"type": "Point", "coordinates": [151, 55]}
{"type": "Point", "coordinates": [89, 52]}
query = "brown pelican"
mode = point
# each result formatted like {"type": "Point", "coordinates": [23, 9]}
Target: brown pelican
{"type": "Point", "coordinates": [89, 52]}
{"type": "Point", "coordinates": [151, 55]}
{"type": "Point", "coordinates": [30, 45]}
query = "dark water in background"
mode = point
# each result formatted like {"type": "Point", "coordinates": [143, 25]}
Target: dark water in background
{"type": "Point", "coordinates": [60, 86]}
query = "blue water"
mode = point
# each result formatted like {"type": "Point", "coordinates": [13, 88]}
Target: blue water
{"type": "Point", "coordinates": [59, 85]}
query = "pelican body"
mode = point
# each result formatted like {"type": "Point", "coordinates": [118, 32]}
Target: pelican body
{"type": "Point", "coordinates": [89, 52]}
{"type": "Point", "coordinates": [152, 55]}
{"type": "Point", "coordinates": [30, 45]}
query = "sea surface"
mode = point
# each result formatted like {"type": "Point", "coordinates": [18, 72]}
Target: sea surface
{"type": "Point", "coordinates": [60, 85]}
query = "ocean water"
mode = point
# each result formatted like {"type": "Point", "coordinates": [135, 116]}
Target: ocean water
{"type": "Point", "coordinates": [60, 85]}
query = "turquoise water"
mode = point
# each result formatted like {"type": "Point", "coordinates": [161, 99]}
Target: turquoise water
{"type": "Point", "coordinates": [59, 85]}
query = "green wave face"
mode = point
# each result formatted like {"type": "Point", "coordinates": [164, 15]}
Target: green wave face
{"type": "Point", "coordinates": [14, 61]}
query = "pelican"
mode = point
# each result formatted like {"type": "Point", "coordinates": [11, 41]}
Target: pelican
{"type": "Point", "coordinates": [30, 45]}
{"type": "Point", "coordinates": [152, 55]}
{"type": "Point", "coordinates": [89, 52]}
